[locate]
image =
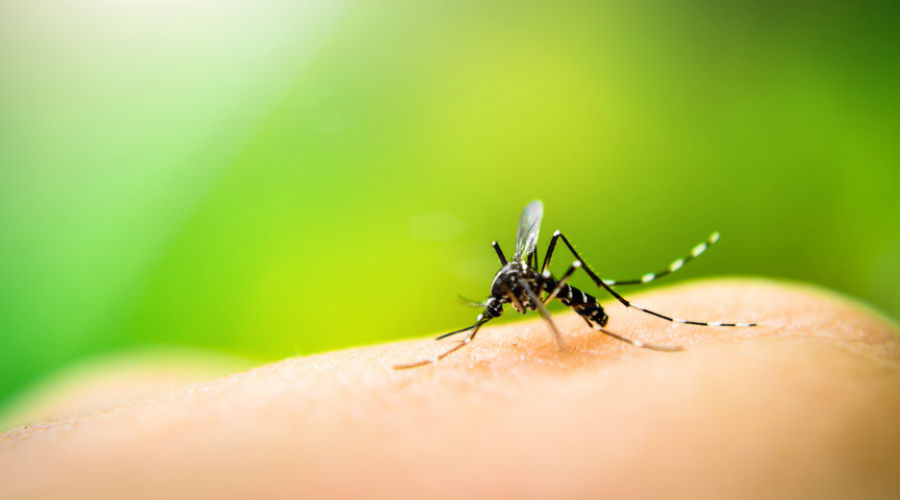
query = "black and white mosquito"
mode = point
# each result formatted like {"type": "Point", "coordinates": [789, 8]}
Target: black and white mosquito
{"type": "Point", "coordinates": [520, 283]}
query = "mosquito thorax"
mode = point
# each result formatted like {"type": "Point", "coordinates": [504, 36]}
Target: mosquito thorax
{"type": "Point", "coordinates": [506, 282]}
{"type": "Point", "coordinates": [505, 279]}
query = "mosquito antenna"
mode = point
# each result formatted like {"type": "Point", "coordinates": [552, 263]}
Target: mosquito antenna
{"type": "Point", "coordinates": [469, 302]}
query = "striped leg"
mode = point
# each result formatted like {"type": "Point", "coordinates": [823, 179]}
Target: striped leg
{"type": "Point", "coordinates": [636, 343]}
{"type": "Point", "coordinates": [674, 266]}
{"type": "Point", "coordinates": [600, 283]}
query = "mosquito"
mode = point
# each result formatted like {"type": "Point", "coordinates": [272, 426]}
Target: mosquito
{"type": "Point", "coordinates": [521, 285]}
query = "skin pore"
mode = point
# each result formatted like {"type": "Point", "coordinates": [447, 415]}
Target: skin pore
{"type": "Point", "coordinates": [804, 405]}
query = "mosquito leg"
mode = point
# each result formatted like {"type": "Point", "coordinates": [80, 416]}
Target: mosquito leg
{"type": "Point", "coordinates": [674, 266]}
{"type": "Point", "coordinates": [544, 313]}
{"type": "Point", "coordinates": [600, 283]}
{"type": "Point", "coordinates": [450, 334]}
{"type": "Point", "coordinates": [636, 343]}
{"type": "Point", "coordinates": [562, 282]}
{"type": "Point", "coordinates": [444, 354]}
{"type": "Point", "coordinates": [499, 252]}
{"type": "Point", "coordinates": [549, 253]}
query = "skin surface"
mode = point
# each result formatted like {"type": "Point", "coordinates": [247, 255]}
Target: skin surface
{"type": "Point", "coordinates": [805, 405]}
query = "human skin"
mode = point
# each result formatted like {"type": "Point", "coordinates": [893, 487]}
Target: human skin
{"type": "Point", "coordinates": [805, 405]}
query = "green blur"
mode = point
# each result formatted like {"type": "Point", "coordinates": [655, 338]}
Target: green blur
{"type": "Point", "coordinates": [267, 179]}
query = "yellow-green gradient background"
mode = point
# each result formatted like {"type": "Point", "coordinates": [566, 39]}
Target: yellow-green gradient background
{"type": "Point", "coordinates": [265, 178]}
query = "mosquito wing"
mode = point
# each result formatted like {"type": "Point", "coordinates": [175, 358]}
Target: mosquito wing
{"type": "Point", "coordinates": [529, 227]}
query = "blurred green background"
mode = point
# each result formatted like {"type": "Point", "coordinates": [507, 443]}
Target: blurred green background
{"type": "Point", "coordinates": [266, 178]}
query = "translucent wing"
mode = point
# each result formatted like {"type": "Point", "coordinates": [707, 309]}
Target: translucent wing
{"type": "Point", "coordinates": [529, 227]}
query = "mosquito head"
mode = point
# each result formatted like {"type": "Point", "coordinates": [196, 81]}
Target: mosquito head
{"type": "Point", "coordinates": [492, 308]}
